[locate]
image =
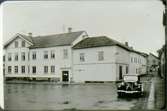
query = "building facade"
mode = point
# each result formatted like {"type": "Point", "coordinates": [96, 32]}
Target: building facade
{"type": "Point", "coordinates": [104, 59]}
{"type": "Point", "coordinates": [44, 57]}
{"type": "Point", "coordinates": [71, 56]}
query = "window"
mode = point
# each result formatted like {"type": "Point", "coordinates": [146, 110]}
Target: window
{"type": "Point", "coordinates": [52, 69]}
{"type": "Point", "coordinates": [82, 57]}
{"type": "Point", "coordinates": [131, 59]}
{"type": "Point", "coordinates": [34, 55]}
{"type": "Point", "coordinates": [52, 54]}
{"type": "Point", "coordinates": [9, 57]}
{"type": "Point", "coordinates": [45, 69]}
{"type": "Point", "coordinates": [16, 44]}
{"type": "Point", "coordinates": [100, 55]}
{"type": "Point", "coordinates": [23, 43]}
{"type": "Point", "coordinates": [65, 53]}
{"type": "Point", "coordinates": [136, 71]}
{"type": "Point", "coordinates": [16, 69]}
{"type": "Point", "coordinates": [16, 57]}
{"type": "Point", "coordinates": [22, 69]}
{"type": "Point", "coordinates": [9, 69]}
{"type": "Point", "coordinates": [34, 69]}
{"type": "Point", "coordinates": [127, 69]}
{"type": "Point", "coordinates": [23, 56]}
{"type": "Point", "coordinates": [4, 58]}
{"type": "Point", "coordinates": [45, 54]}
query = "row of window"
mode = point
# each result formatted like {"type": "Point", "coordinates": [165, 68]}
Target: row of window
{"type": "Point", "coordinates": [34, 57]}
{"type": "Point", "coordinates": [100, 56]}
{"type": "Point", "coordinates": [34, 70]}
{"type": "Point", "coordinates": [23, 43]}
{"type": "Point", "coordinates": [135, 60]}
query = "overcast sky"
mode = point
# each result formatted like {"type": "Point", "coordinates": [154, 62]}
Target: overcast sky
{"type": "Point", "coordinates": [138, 22]}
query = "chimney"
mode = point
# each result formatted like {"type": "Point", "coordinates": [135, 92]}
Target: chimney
{"type": "Point", "coordinates": [30, 34]}
{"type": "Point", "coordinates": [69, 30]}
{"type": "Point", "coordinates": [126, 43]}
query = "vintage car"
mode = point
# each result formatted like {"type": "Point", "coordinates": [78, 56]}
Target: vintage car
{"type": "Point", "coordinates": [130, 85]}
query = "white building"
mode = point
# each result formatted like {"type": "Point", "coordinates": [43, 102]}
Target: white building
{"type": "Point", "coordinates": [104, 59]}
{"type": "Point", "coordinates": [41, 57]}
{"type": "Point", "coordinates": [70, 56]}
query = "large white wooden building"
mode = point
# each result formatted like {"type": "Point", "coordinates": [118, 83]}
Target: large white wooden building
{"type": "Point", "coordinates": [71, 56]}
{"type": "Point", "coordinates": [104, 59]}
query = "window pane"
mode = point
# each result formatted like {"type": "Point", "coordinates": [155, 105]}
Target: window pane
{"type": "Point", "coordinates": [52, 69]}
{"type": "Point", "coordinates": [82, 57]}
{"type": "Point", "coordinates": [34, 55]}
{"type": "Point", "coordinates": [100, 55]}
{"type": "Point", "coordinates": [16, 69]}
{"type": "Point", "coordinates": [16, 44]}
{"type": "Point", "coordinates": [45, 54]}
{"type": "Point", "coordinates": [23, 56]}
{"type": "Point", "coordinates": [23, 43]}
{"type": "Point", "coordinates": [45, 69]}
{"type": "Point", "coordinates": [9, 57]}
{"type": "Point", "coordinates": [9, 69]}
{"type": "Point", "coordinates": [52, 54]}
{"type": "Point", "coordinates": [34, 69]}
{"type": "Point", "coordinates": [23, 69]}
{"type": "Point", "coordinates": [65, 53]}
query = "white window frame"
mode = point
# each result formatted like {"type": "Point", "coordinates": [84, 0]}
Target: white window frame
{"type": "Point", "coordinates": [23, 56]}
{"type": "Point", "coordinates": [65, 53]}
{"type": "Point", "coordinates": [52, 69]}
{"type": "Point", "coordinates": [23, 45]}
{"type": "Point", "coordinates": [34, 56]}
{"type": "Point", "coordinates": [100, 55]}
{"type": "Point", "coordinates": [23, 71]}
{"type": "Point", "coordinates": [9, 69]}
{"type": "Point", "coordinates": [16, 69]}
{"type": "Point", "coordinates": [16, 56]}
{"type": "Point", "coordinates": [82, 57]}
{"type": "Point", "coordinates": [45, 55]}
{"type": "Point", "coordinates": [9, 56]}
{"type": "Point", "coordinates": [16, 44]}
{"type": "Point", "coordinates": [45, 69]}
{"type": "Point", "coordinates": [52, 55]}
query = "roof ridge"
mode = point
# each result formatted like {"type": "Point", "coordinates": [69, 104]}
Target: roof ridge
{"type": "Point", "coordinates": [56, 34]}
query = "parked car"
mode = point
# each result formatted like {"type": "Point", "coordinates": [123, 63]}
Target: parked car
{"type": "Point", "coordinates": [130, 85]}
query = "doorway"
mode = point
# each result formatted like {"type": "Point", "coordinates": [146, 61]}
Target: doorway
{"type": "Point", "coordinates": [120, 72]}
{"type": "Point", "coordinates": [65, 76]}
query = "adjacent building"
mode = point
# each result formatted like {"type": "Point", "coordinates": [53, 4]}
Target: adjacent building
{"type": "Point", "coordinates": [71, 56]}
{"type": "Point", "coordinates": [104, 59]}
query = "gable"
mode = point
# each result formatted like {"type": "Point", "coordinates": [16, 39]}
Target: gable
{"type": "Point", "coordinates": [17, 38]}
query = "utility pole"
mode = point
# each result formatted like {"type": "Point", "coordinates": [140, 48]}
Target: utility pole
{"type": "Point", "coordinates": [165, 23]}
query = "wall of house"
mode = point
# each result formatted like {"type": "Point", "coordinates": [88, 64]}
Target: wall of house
{"type": "Point", "coordinates": [151, 60]}
{"type": "Point", "coordinates": [92, 69]}
{"type": "Point", "coordinates": [11, 49]}
{"type": "Point", "coordinates": [137, 64]}
{"type": "Point", "coordinates": [122, 59]}
{"type": "Point", "coordinates": [60, 63]}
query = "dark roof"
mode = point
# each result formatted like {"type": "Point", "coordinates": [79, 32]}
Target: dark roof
{"type": "Point", "coordinates": [30, 39]}
{"type": "Point", "coordinates": [55, 40]}
{"type": "Point", "coordinates": [49, 40]}
{"type": "Point", "coordinates": [100, 41]}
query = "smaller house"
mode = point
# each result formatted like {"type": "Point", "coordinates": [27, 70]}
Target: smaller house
{"type": "Point", "coordinates": [152, 63]}
{"type": "Point", "coordinates": [102, 59]}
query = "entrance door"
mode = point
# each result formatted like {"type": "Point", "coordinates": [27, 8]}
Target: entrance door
{"type": "Point", "coordinates": [65, 76]}
{"type": "Point", "coordinates": [120, 72]}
